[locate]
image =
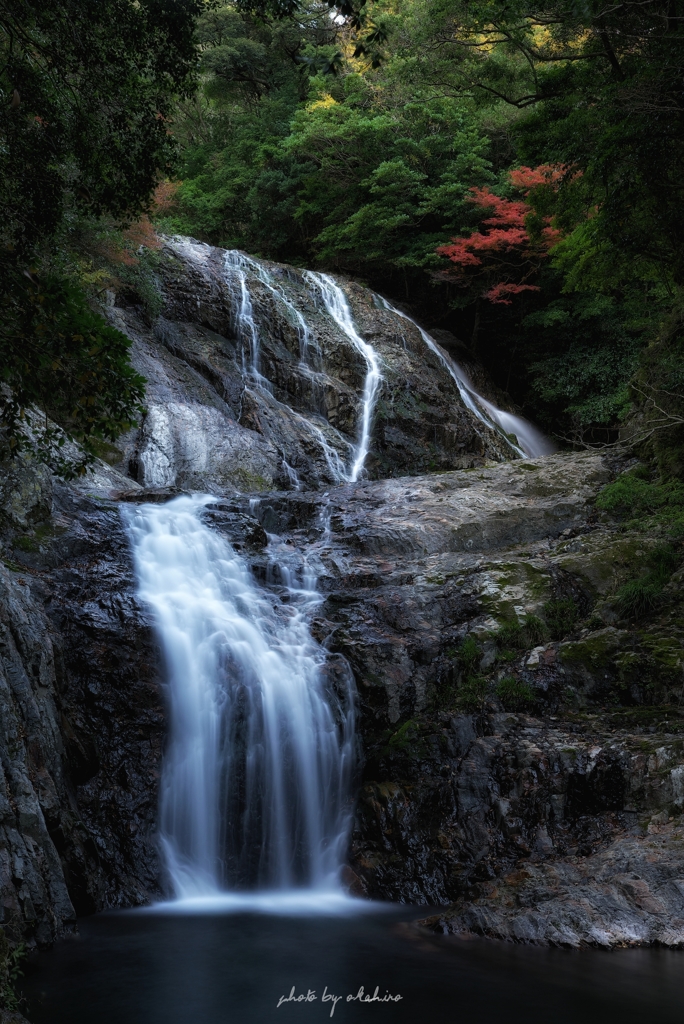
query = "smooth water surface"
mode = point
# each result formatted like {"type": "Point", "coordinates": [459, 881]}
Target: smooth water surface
{"type": "Point", "coordinates": [137, 968]}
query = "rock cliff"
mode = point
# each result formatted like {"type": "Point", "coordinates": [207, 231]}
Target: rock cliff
{"type": "Point", "coordinates": [563, 751]}
{"type": "Point", "coordinates": [520, 742]}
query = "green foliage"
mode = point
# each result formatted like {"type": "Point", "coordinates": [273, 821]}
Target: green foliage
{"type": "Point", "coordinates": [590, 344]}
{"type": "Point", "coordinates": [86, 91]}
{"type": "Point", "coordinates": [469, 654]}
{"type": "Point", "coordinates": [59, 357]}
{"type": "Point", "coordinates": [390, 178]}
{"type": "Point", "coordinates": [305, 146]}
{"type": "Point", "coordinates": [642, 595]}
{"type": "Point", "coordinates": [531, 632]}
{"type": "Point", "coordinates": [86, 95]}
{"type": "Point", "coordinates": [514, 694]}
{"type": "Point", "coordinates": [357, 170]}
{"type": "Point", "coordinates": [11, 957]}
{"type": "Point", "coordinates": [472, 693]}
{"type": "Point", "coordinates": [643, 503]}
{"type": "Point", "coordinates": [561, 616]}
{"type": "Point", "coordinates": [128, 261]}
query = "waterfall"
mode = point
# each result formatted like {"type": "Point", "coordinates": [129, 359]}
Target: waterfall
{"type": "Point", "coordinates": [530, 442]}
{"type": "Point", "coordinates": [520, 435]}
{"type": "Point", "coordinates": [247, 331]}
{"type": "Point", "coordinates": [237, 264]}
{"type": "Point", "coordinates": [256, 777]}
{"type": "Point", "coordinates": [337, 306]}
{"type": "Point", "coordinates": [235, 258]}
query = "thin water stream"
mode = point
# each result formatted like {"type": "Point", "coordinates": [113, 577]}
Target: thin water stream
{"type": "Point", "coordinates": [524, 440]}
{"type": "Point", "coordinates": [337, 306]}
{"type": "Point", "coordinates": [529, 442]}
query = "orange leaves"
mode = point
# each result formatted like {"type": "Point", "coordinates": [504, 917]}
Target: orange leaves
{"type": "Point", "coordinates": [500, 292]}
{"type": "Point", "coordinates": [141, 233]}
{"type": "Point", "coordinates": [532, 177]}
{"type": "Point", "coordinates": [505, 246]}
{"type": "Point", "coordinates": [164, 197]}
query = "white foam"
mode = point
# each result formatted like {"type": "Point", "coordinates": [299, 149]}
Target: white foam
{"type": "Point", "coordinates": [291, 903]}
{"type": "Point", "coordinates": [255, 783]}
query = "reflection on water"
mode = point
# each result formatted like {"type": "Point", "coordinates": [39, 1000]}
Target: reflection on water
{"type": "Point", "coordinates": [138, 968]}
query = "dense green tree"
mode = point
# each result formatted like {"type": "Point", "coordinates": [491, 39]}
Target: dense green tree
{"type": "Point", "coordinates": [87, 89]}
{"type": "Point", "coordinates": [319, 151]}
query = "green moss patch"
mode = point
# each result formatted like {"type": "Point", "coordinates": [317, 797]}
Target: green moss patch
{"type": "Point", "coordinates": [514, 694]}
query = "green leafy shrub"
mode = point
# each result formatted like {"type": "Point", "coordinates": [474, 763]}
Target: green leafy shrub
{"type": "Point", "coordinates": [520, 636]}
{"type": "Point", "coordinates": [514, 693]}
{"type": "Point", "coordinates": [472, 693]}
{"type": "Point", "coordinates": [645, 503]}
{"type": "Point", "coordinates": [469, 654]}
{"type": "Point", "coordinates": [61, 361]}
{"type": "Point", "coordinates": [561, 616]}
{"type": "Point", "coordinates": [640, 596]}
{"type": "Point", "coordinates": [10, 971]}
{"type": "Point", "coordinates": [588, 354]}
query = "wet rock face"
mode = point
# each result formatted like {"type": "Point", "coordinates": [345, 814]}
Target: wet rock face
{"type": "Point", "coordinates": [413, 565]}
{"type": "Point", "coordinates": [111, 699]}
{"type": "Point", "coordinates": [82, 722]}
{"type": "Point", "coordinates": [449, 801]}
{"type": "Point", "coordinates": [249, 377]}
{"type": "Point", "coordinates": [34, 792]}
{"type": "Point", "coordinates": [486, 808]}
{"type": "Point", "coordinates": [629, 893]}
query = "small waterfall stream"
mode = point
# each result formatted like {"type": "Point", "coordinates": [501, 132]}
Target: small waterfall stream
{"type": "Point", "coordinates": [530, 441]}
{"type": "Point", "coordinates": [337, 306]}
{"type": "Point", "coordinates": [345, 459]}
{"type": "Point", "coordinates": [256, 779]}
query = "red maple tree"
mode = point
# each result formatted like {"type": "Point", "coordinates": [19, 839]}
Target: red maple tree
{"type": "Point", "coordinates": [505, 248]}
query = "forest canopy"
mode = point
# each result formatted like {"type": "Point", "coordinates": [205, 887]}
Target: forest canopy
{"type": "Point", "coordinates": [511, 171]}
{"type": "Point", "coordinates": [356, 138]}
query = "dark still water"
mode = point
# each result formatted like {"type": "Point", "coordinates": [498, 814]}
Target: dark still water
{"type": "Point", "coordinates": [139, 968]}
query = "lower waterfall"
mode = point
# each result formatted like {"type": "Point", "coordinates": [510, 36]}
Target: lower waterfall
{"type": "Point", "coordinates": [255, 782]}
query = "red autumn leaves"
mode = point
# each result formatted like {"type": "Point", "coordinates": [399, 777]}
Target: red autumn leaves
{"type": "Point", "coordinates": [512, 242]}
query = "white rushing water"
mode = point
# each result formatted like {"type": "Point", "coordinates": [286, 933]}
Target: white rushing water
{"type": "Point", "coordinates": [524, 439]}
{"type": "Point", "coordinates": [246, 329]}
{"type": "Point", "coordinates": [235, 258]}
{"type": "Point", "coordinates": [256, 777]}
{"type": "Point", "coordinates": [530, 441]}
{"type": "Point", "coordinates": [335, 302]}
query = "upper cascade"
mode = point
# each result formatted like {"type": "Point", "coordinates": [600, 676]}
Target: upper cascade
{"type": "Point", "coordinates": [261, 376]}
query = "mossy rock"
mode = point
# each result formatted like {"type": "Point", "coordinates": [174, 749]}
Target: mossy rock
{"type": "Point", "coordinates": [603, 564]}
{"type": "Point", "coordinates": [251, 482]}
{"type": "Point", "coordinates": [666, 651]}
{"type": "Point", "coordinates": [513, 590]}
{"type": "Point", "coordinates": [596, 652]}
{"type": "Point", "coordinates": [109, 453]}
